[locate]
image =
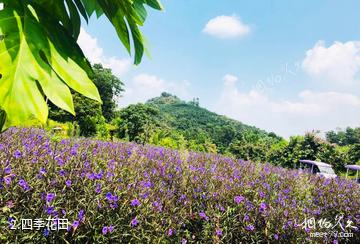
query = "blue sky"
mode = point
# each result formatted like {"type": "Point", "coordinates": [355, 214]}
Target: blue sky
{"type": "Point", "coordinates": [283, 66]}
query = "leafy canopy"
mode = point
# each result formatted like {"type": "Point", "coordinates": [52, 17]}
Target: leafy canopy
{"type": "Point", "coordinates": [40, 59]}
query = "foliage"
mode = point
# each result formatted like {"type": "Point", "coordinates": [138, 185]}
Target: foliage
{"type": "Point", "coordinates": [67, 129]}
{"type": "Point", "coordinates": [349, 136]}
{"type": "Point", "coordinates": [40, 58]}
{"type": "Point", "coordinates": [151, 194]}
{"type": "Point", "coordinates": [169, 139]}
{"type": "Point", "coordinates": [109, 87]}
{"type": "Point", "coordinates": [137, 122]}
{"type": "Point", "coordinates": [309, 147]}
{"type": "Point", "coordinates": [199, 124]}
{"type": "Point", "coordinates": [89, 113]}
{"type": "Point", "coordinates": [354, 153]}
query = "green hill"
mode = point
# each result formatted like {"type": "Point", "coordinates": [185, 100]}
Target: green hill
{"type": "Point", "coordinates": [195, 122]}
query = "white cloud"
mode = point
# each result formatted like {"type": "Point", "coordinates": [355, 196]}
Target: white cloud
{"type": "Point", "coordinates": [307, 111]}
{"type": "Point", "coordinates": [145, 86]}
{"type": "Point", "coordinates": [95, 54]}
{"type": "Point", "coordinates": [226, 27]}
{"type": "Point", "coordinates": [339, 62]}
{"type": "Point", "coordinates": [230, 79]}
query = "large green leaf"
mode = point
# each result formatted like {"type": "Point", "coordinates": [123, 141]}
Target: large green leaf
{"type": "Point", "coordinates": [39, 55]}
{"type": "Point", "coordinates": [32, 69]}
{"type": "Point", "coordinates": [154, 4]}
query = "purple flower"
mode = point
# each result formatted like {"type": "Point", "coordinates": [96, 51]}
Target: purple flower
{"type": "Point", "coordinates": [250, 227]}
{"type": "Point", "coordinates": [10, 204]}
{"type": "Point", "coordinates": [7, 180]}
{"type": "Point", "coordinates": [111, 228]}
{"type": "Point", "coordinates": [50, 197]}
{"type": "Point", "coordinates": [113, 205]}
{"type": "Point", "coordinates": [183, 241]}
{"type": "Point", "coordinates": [134, 222]}
{"type": "Point", "coordinates": [157, 206]}
{"type": "Point", "coordinates": [170, 232]}
{"type": "Point", "coordinates": [107, 229]}
{"type": "Point", "coordinates": [147, 184]}
{"type": "Point", "coordinates": [81, 215]}
{"type": "Point", "coordinates": [68, 183]}
{"type": "Point", "coordinates": [17, 154]}
{"type": "Point", "coordinates": [145, 195]}
{"type": "Point", "coordinates": [111, 198]}
{"type": "Point", "coordinates": [203, 216]}
{"type": "Point", "coordinates": [50, 210]}
{"type": "Point", "coordinates": [98, 188]}
{"type": "Point", "coordinates": [104, 230]}
{"type": "Point", "coordinates": [246, 217]}
{"type": "Point", "coordinates": [42, 171]}
{"type": "Point", "coordinates": [262, 207]}
{"type": "Point", "coordinates": [24, 185]}
{"type": "Point", "coordinates": [75, 224]}
{"type": "Point", "coordinates": [276, 236]}
{"type": "Point", "coordinates": [218, 232]}
{"type": "Point", "coordinates": [46, 232]}
{"type": "Point", "coordinates": [7, 170]}
{"type": "Point", "coordinates": [239, 199]}
{"type": "Point", "coordinates": [182, 197]}
{"type": "Point", "coordinates": [135, 202]}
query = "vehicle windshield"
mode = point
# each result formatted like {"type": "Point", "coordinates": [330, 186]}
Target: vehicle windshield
{"type": "Point", "coordinates": [326, 170]}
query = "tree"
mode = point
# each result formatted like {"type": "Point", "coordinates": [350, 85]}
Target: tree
{"type": "Point", "coordinates": [309, 147]}
{"type": "Point", "coordinates": [109, 87]}
{"type": "Point", "coordinates": [88, 115]}
{"type": "Point", "coordinates": [354, 153]}
{"type": "Point", "coordinates": [349, 136]}
{"type": "Point", "coordinates": [137, 122]}
{"type": "Point", "coordinates": [41, 60]}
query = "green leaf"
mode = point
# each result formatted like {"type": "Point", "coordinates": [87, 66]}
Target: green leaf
{"type": "Point", "coordinates": [122, 30]}
{"type": "Point", "coordinates": [58, 10]}
{"type": "Point", "coordinates": [74, 18]}
{"type": "Point", "coordinates": [82, 9]}
{"type": "Point", "coordinates": [138, 41]}
{"type": "Point", "coordinates": [91, 6]}
{"type": "Point", "coordinates": [29, 68]}
{"type": "Point", "coordinates": [39, 56]}
{"type": "Point", "coordinates": [155, 4]}
{"type": "Point", "coordinates": [140, 10]}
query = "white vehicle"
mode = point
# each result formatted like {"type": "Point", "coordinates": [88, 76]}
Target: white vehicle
{"type": "Point", "coordinates": [353, 167]}
{"type": "Point", "coordinates": [319, 168]}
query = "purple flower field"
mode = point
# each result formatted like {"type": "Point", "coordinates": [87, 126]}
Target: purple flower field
{"type": "Point", "coordinates": [123, 192]}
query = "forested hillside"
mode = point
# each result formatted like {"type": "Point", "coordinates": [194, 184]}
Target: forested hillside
{"type": "Point", "coordinates": [197, 123]}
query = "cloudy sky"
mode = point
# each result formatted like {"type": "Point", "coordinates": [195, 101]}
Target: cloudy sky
{"type": "Point", "coordinates": [283, 66]}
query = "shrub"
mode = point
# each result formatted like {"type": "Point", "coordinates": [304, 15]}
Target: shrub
{"type": "Point", "coordinates": [124, 192]}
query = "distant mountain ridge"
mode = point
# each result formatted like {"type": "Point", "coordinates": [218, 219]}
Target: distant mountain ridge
{"type": "Point", "coordinates": [194, 121]}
